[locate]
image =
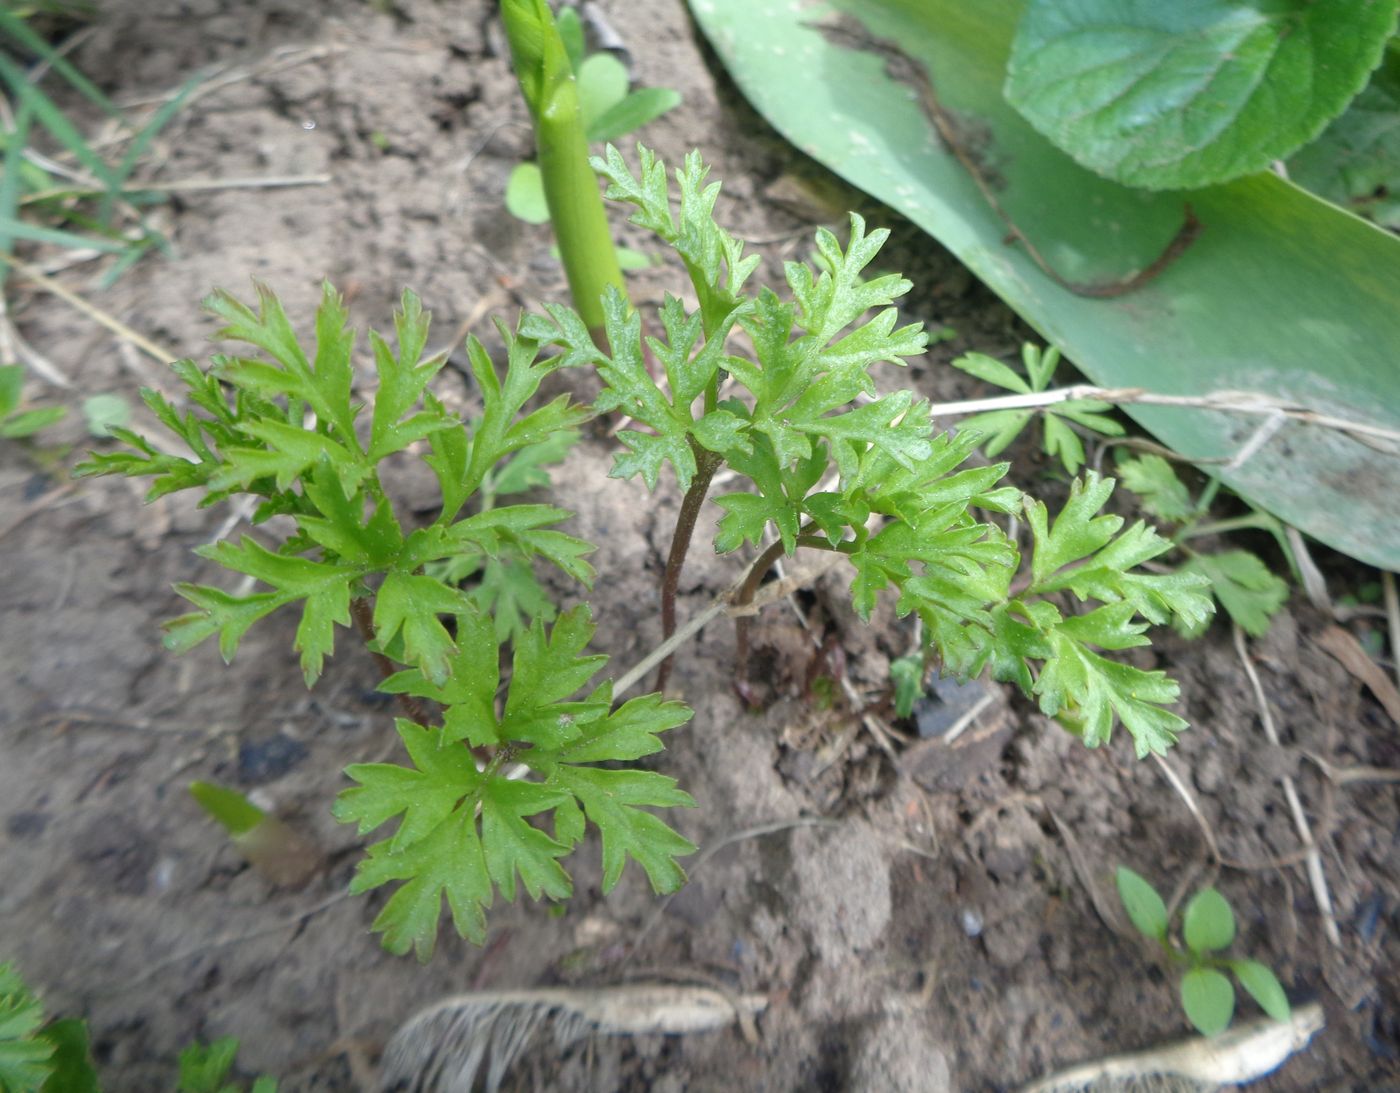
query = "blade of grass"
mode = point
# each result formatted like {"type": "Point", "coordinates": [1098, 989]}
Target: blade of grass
{"type": "Point", "coordinates": [55, 121]}
{"type": "Point", "coordinates": [11, 229]}
{"type": "Point", "coordinates": [142, 140]}
{"type": "Point", "coordinates": [15, 26]}
{"type": "Point", "coordinates": [11, 182]}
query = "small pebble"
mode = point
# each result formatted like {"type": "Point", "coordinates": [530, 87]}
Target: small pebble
{"type": "Point", "coordinates": [971, 923]}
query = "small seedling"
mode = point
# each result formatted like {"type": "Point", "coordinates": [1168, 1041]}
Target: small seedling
{"type": "Point", "coordinates": [15, 422]}
{"type": "Point", "coordinates": [1001, 427]}
{"type": "Point", "coordinates": [205, 1069]}
{"type": "Point", "coordinates": [269, 845]}
{"type": "Point", "coordinates": [1207, 928]}
{"type": "Point", "coordinates": [1241, 583]}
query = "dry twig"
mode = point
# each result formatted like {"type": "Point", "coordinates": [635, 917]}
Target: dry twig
{"type": "Point", "coordinates": [1290, 791]}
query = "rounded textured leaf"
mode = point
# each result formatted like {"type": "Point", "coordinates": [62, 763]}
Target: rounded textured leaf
{"type": "Point", "coordinates": [1188, 94]}
{"type": "Point", "coordinates": [1263, 986]}
{"type": "Point", "coordinates": [1209, 1000]}
{"type": "Point", "coordinates": [1209, 923]}
{"type": "Point", "coordinates": [1143, 904]}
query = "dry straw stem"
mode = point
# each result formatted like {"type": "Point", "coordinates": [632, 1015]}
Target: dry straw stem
{"type": "Point", "coordinates": [1236, 402]}
{"type": "Point", "coordinates": [1290, 791]}
{"type": "Point", "coordinates": [1243, 1054]}
{"type": "Point", "coordinates": [1392, 618]}
{"type": "Point", "coordinates": [115, 325]}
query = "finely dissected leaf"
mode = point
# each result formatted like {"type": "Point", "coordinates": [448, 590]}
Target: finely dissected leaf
{"type": "Point", "coordinates": [1179, 96]}
{"type": "Point", "coordinates": [325, 388]}
{"type": "Point", "coordinates": [503, 428]}
{"type": "Point", "coordinates": [631, 389]}
{"type": "Point", "coordinates": [204, 1067]}
{"type": "Point", "coordinates": [1263, 986]}
{"type": "Point", "coordinates": [1154, 481]}
{"type": "Point", "coordinates": [408, 605]}
{"type": "Point", "coordinates": [73, 1070]}
{"type": "Point", "coordinates": [547, 670]}
{"type": "Point", "coordinates": [442, 794]}
{"type": "Point", "coordinates": [512, 846]}
{"type": "Point", "coordinates": [1077, 532]}
{"type": "Point", "coordinates": [324, 586]}
{"type": "Point", "coordinates": [613, 801]}
{"type": "Point", "coordinates": [1086, 690]}
{"type": "Point", "coordinates": [403, 379]}
{"type": "Point", "coordinates": [1208, 923]}
{"type": "Point", "coordinates": [1144, 906]}
{"type": "Point", "coordinates": [627, 733]}
{"type": "Point", "coordinates": [24, 1059]}
{"type": "Point", "coordinates": [448, 863]}
{"type": "Point", "coordinates": [1209, 1000]}
{"type": "Point", "coordinates": [1243, 584]}
{"type": "Point", "coordinates": [426, 796]}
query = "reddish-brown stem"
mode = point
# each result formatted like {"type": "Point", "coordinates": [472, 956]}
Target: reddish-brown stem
{"type": "Point", "coordinates": [706, 464]}
{"type": "Point", "coordinates": [361, 612]}
{"type": "Point", "coordinates": [749, 589]}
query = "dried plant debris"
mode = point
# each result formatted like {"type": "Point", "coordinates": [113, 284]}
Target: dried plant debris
{"type": "Point", "coordinates": [1242, 1055]}
{"type": "Point", "coordinates": [447, 1047]}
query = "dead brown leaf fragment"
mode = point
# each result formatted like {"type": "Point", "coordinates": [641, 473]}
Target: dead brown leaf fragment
{"type": "Point", "coordinates": [1354, 658]}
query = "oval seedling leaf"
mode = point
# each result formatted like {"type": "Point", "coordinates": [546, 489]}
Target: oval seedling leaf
{"type": "Point", "coordinates": [1263, 986]}
{"type": "Point", "coordinates": [602, 84]}
{"type": "Point", "coordinates": [525, 194]}
{"type": "Point", "coordinates": [1143, 904]}
{"type": "Point", "coordinates": [633, 112]}
{"type": "Point", "coordinates": [1209, 924]}
{"type": "Point", "coordinates": [1177, 96]}
{"type": "Point", "coordinates": [1209, 1000]}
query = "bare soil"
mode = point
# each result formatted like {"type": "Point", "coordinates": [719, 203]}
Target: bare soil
{"type": "Point", "coordinates": [936, 934]}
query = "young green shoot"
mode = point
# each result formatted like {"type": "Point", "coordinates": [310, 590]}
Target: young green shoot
{"type": "Point", "coordinates": [561, 140]}
{"type": "Point", "coordinates": [1207, 929]}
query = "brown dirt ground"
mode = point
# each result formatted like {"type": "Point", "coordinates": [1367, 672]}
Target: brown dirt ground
{"type": "Point", "coordinates": [124, 906]}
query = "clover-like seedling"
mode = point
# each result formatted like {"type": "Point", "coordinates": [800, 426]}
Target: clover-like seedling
{"type": "Point", "coordinates": [1207, 928]}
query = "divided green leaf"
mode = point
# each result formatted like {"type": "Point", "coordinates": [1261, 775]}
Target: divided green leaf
{"type": "Point", "coordinates": [466, 832]}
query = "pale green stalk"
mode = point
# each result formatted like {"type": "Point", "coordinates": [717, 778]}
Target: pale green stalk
{"type": "Point", "coordinates": [570, 186]}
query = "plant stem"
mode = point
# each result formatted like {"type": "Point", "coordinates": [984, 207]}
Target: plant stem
{"type": "Point", "coordinates": [749, 589]}
{"type": "Point", "coordinates": [570, 186]}
{"type": "Point", "coordinates": [706, 464]}
{"type": "Point", "coordinates": [363, 615]}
